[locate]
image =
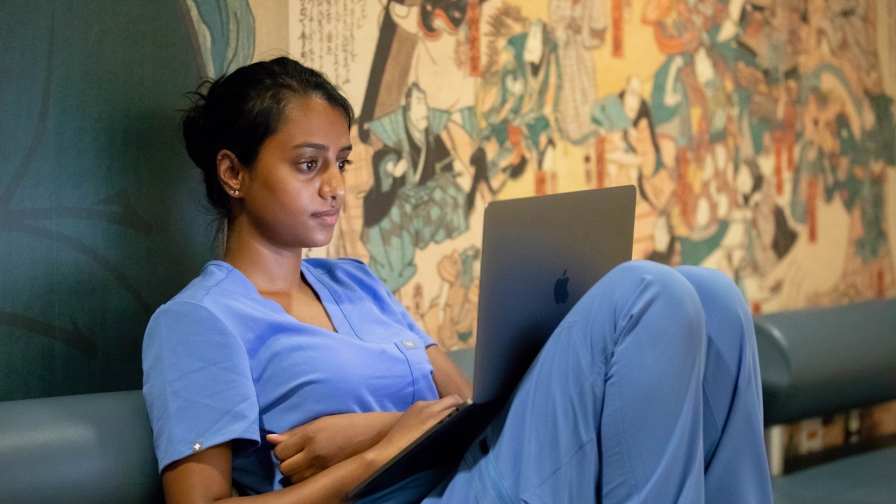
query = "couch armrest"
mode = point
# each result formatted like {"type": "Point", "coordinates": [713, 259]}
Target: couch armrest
{"type": "Point", "coordinates": [78, 449]}
{"type": "Point", "coordinates": [826, 360]}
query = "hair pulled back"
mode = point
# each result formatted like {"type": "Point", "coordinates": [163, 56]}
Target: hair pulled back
{"type": "Point", "coordinates": [239, 111]}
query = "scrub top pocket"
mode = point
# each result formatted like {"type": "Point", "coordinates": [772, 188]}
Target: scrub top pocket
{"type": "Point", "coordinates": [419, 367]}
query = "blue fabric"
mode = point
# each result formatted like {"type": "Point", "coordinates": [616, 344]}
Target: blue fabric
{"type": "Point", "coordinates": [648, 391]}
{"type": "Point", "coordinates": [223, 363]}
{"type": "Point", "coordinates": [734, 455]}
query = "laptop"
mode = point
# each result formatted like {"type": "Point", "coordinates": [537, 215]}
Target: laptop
{"type": "Point", "coordinates": [540, 255]}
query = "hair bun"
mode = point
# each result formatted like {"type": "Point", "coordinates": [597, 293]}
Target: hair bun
{"type": "Point", "coordinates": [194, 139]}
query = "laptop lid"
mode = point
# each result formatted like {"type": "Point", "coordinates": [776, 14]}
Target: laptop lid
{"type": "Point", "coordinates": [540, 255]}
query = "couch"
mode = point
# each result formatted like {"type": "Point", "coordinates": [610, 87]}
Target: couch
{"type": "Point", "coordinates": [821, 361]}
{"type": "Point", "coordinates": [87, 449]}
{"type": "Point", "coordinates": [83, 449]}
{"type": "Point", "coordinates": [97, 448]}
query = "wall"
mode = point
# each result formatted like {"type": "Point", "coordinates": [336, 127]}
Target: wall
{"type": "Point", "coordinates": [101, 216]}
{"type": "Point", "coordinates": [760, 135]}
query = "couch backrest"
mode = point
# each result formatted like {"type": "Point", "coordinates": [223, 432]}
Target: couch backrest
{"type": "Point", "coordinates": [94, 448]}
{"type": "Point", "coordinates": [826, 360]}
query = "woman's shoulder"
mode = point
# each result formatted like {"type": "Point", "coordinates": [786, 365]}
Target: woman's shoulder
{"type": "Point", "coordinates": [214, 277]}
{"type": "Point", "coordinates": [202, 298]}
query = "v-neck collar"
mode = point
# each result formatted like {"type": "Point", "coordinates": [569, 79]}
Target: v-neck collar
{"type": "Point", "coordinates": [329, 301]}
{"type": "Point", "coordinates": [328, 298]}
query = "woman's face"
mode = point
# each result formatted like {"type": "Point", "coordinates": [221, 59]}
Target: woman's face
{"type": "Point", "coordinates": [293, 194]}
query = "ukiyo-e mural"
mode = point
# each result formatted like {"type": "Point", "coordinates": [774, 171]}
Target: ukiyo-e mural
{"type": "Point", "coordinates": [760, 135]}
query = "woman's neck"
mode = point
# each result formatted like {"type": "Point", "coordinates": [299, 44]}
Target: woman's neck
{"type": "Point", "coordinates": [268, 267]}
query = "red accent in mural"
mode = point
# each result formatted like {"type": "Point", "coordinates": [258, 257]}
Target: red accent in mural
{"type": "Point", "coordinates": [666, 44]}
{"type": "Point", "coordinates": [515, 137]}
{"type": "Point", "coordinates": [600, 160]}
{"type": "Point", "coordinates": [473, 13]}
{"type": "Point", "coordinates": [790, 118]}
{"type": "Point", "coordinates": [880, 283]}
{"type": "Point", "coordinates": [617, 29]}
{"type": "Point", "coordinates": [541, 183]}
{"type": "Point", "coordinates": [812, 210]}
{"type": "Point", "coordinates": [756, 307]}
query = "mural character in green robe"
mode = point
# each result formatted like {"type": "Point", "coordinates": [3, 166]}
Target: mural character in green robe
{"type": "Point", "coordinates": [520, 119]}
{"type": "Point", "coordinates": [416, 199]}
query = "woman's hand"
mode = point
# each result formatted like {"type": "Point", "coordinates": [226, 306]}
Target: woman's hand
{"type": "Point", "coordinates": [418, 419]}
{"type": "Point", "coordinates": [309, 449]}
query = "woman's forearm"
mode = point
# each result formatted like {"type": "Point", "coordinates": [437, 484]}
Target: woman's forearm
{"type": "Point", "coordinates": [449, 380]}
{"type": "Point", "coordinates": [378, 425]}
{"type": "Point", "coordinates": [205, 477]}
{"type": "Point", "coordinates": [326, 487]}
{"type": "Point", "coordinates": [318, 445]}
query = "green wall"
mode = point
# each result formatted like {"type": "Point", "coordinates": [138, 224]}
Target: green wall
{"type": "Point", "coordinates": [102, 215]}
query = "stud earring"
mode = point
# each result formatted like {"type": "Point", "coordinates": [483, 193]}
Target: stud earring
{"type": "Point", "coordinates": [235, 192]}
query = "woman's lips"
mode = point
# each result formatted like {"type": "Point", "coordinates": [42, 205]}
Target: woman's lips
{"type": "Point", "coordinates": [328, 216]}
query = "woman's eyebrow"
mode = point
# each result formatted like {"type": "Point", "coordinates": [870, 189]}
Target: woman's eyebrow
{"type": "Point", "coordinates": [310, 145]}
{"type": "Point", "coordinates": [318, 146]}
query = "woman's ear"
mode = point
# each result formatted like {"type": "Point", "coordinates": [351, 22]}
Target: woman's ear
{"type": "Point", "coordinates": [230, 173]}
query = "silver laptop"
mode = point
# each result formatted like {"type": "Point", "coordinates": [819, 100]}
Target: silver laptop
{"type": "Point", "coordinates": [540, 255]}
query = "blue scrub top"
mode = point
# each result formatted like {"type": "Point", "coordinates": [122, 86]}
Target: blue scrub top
{"type": "Point", "coordinates": [222, 363]}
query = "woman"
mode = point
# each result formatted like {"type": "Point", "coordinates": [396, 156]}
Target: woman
{"type": "Point", "coordinates": [291, 380]}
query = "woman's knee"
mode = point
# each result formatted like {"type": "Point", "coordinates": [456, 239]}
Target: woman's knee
{"type": "Point", "coordinates": [728, 320]}
{"type": "Point", "coordinates": [645, 291]}
{"type": "Point", "coordinates": [631, 274]}
{"type": "Point", "coordinates": [714, 286]}
{"type": "Point", "coordinates": [633, 278]}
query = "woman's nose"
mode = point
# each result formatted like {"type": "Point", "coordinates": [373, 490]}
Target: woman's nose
{"type": "Point", "coordinates": [332, 184]}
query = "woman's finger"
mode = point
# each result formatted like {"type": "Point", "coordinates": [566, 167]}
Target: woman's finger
{"type": "Point", "coordinates": [295, 464]}
{"type": "Point", "coordinates": [286, 434]}
{"type": "Point", "coordinates": [290, 446]}
{"type": "Point", "coordinates": [434, 411]}
{"type": "Point", "coordinates": [444, 405]}
{"type": "Point", "coordinates": [451, 401]}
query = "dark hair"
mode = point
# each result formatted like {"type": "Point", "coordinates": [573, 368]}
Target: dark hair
{"type": "Point", "coordinates": [239, 111]}
{"type": "Point", "coordinates": [410, 91]}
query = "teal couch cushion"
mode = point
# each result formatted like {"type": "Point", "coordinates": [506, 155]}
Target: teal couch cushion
{"type": "Point", "coordinates": [826, 360]}
{"type": "Point", "coordinates": [82, 449]}
{"type": "Point", "coordinates": [869, 478]}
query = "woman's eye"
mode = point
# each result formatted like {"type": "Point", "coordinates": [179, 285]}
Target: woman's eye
{"type": "Point", "coordinates": [343, 165]}
{"type": "Point", "coordinates": [308, 165]}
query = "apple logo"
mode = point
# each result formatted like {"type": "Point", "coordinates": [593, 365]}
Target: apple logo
{"type": "Point", "coordinates": [561, 292]}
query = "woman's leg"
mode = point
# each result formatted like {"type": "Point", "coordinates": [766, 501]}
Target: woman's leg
{"type": "Point", "coordinates": [611, 410]}
{"type": "Point", "coordinates": [733, 448]}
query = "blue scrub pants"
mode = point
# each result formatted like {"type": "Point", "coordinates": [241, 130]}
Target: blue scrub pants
{"type": "Point", "coordinates": [648, 391]}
